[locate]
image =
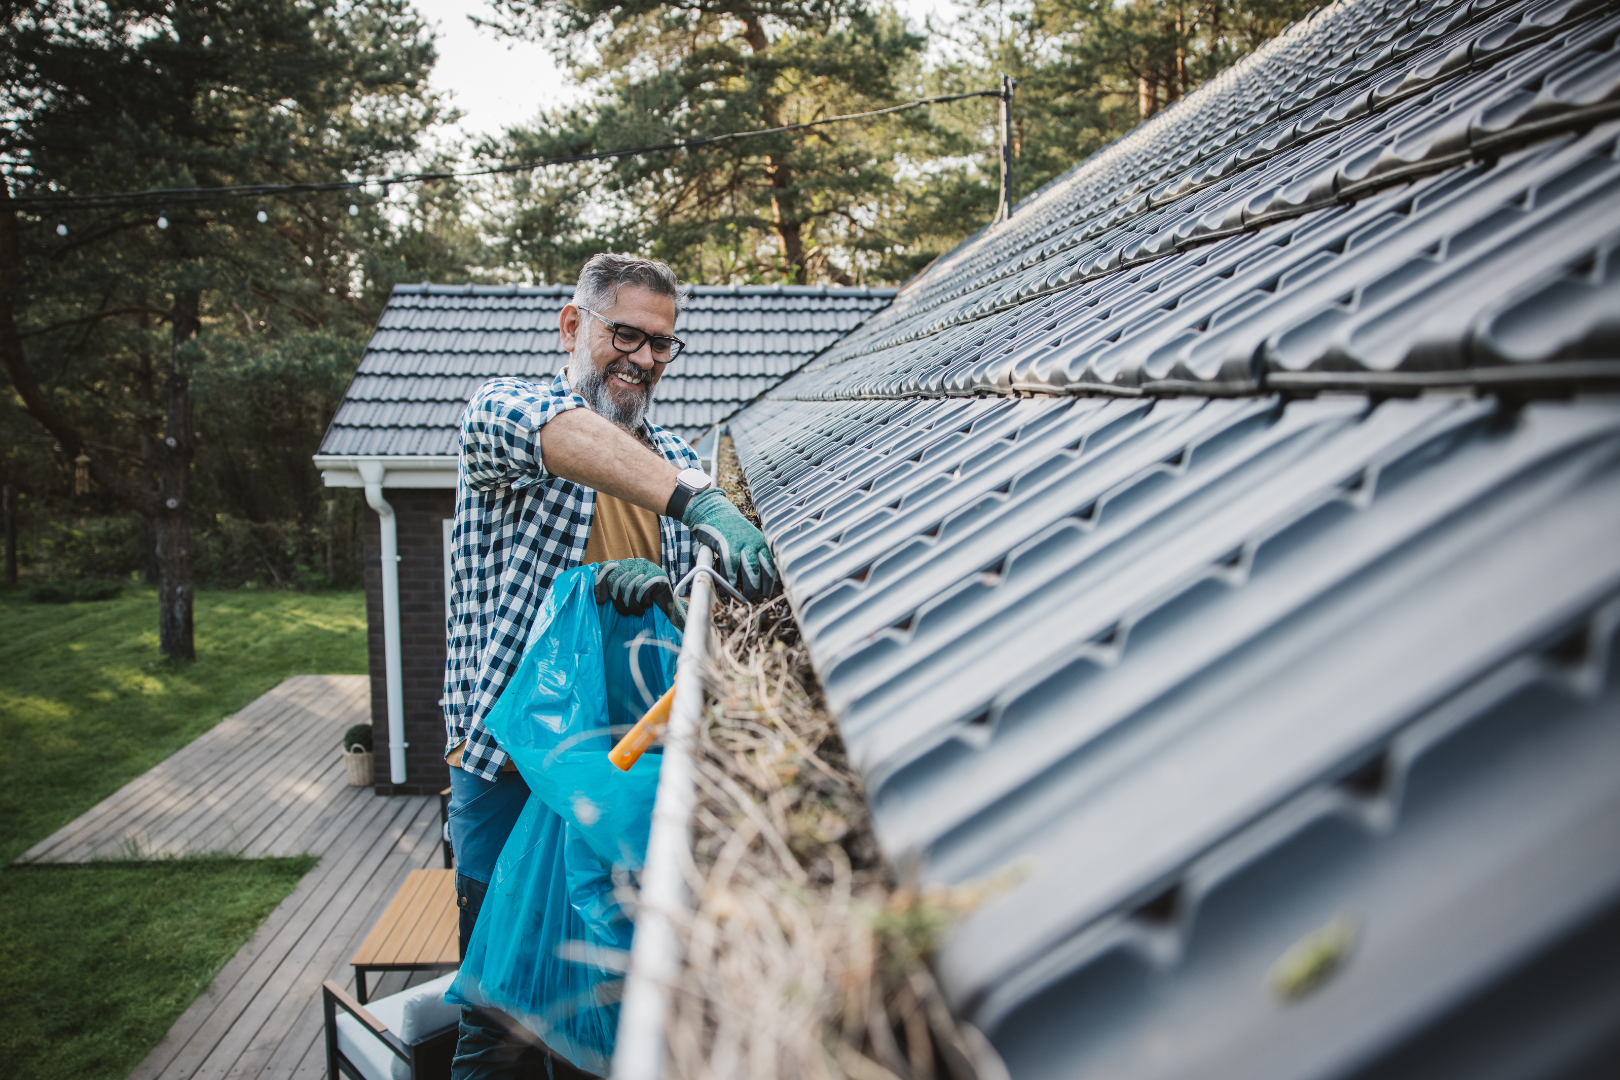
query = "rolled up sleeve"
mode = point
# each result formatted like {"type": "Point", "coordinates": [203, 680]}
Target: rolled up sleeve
{"type": "Point", "coordinates": [500, 432]}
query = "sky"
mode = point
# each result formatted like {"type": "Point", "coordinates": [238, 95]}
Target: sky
{"type": "Point", "coordinates": [498, 84]}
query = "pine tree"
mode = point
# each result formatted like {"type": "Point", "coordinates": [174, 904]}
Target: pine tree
{"type": "Point", "coordinates": [801, 206]}
{"type": "Point", "coordinates": [106, 313]}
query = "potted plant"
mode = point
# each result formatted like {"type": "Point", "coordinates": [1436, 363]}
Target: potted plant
{"type": "Point", "coordinates": [357, 759]}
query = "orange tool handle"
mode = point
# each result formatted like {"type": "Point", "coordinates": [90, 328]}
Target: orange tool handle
{"type": "Point", "coordinates": [648, 728]}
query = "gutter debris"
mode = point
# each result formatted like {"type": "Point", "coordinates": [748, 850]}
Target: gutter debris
{"type": "Point", "coordinates": [805, 955]}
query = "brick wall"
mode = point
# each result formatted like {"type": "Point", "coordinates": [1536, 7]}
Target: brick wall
{"type": "Point", "coordinates": [420, 513]}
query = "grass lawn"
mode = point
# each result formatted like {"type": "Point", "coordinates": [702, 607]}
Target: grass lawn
{"type": "Point", "coordinates": [87, 704]}
{"type": "Point", "coordinates": [97, 961]}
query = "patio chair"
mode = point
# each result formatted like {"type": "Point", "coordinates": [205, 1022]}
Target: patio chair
{"type": "Point", "coordinates": [410, 1035]}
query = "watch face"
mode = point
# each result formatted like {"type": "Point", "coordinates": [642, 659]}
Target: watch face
{"type": "Point", "coordinates": [696, 479]}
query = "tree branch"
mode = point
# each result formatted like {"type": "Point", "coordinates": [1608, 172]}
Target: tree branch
{"type": "Point", "coordinates": [105, 313]}
{"type": "Point", "coordinates": [11, 352]}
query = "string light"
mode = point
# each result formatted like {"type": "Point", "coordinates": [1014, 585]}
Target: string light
{"type": "Point", "coordinates": [249, 190]}
{"type": "Point", "coordinates": [163, 219]}
{"type": "Point", "coordinates": [354, 209]}
{"type": "Point", "coordinates": [61, 226]}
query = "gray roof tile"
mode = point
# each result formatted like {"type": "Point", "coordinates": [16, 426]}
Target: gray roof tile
{"type": "Point", "coordinates": [1109, 597]}
{"type": "Point", "coordinates": [434, 345]}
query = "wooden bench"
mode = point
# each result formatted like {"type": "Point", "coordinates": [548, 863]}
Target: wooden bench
{"type": "Point", "coordinates": [419, 930]}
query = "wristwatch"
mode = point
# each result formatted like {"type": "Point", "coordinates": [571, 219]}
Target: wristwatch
{"type": "Point", "coordinates": [688, 482]}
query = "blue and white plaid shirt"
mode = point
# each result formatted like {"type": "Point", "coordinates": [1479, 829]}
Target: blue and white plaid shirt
{"type": "Point", "coordinates": [517, 527]}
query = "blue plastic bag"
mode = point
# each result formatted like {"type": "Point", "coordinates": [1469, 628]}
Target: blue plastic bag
{"type": "Point", "coordinates": [551, 939]}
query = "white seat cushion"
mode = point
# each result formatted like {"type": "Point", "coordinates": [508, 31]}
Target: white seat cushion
{"type": "Point", "coordinates": [411, 1014]}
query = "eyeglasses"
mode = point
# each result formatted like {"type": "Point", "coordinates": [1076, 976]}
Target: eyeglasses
{"type": "Point", "coordinates": [627, 339]}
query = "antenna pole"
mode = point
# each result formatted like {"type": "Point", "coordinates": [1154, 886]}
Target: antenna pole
{"type": "Point", "coordinates": [1004, 210]}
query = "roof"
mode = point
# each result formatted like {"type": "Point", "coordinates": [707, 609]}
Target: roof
{"type": "Point", "coordinates": [435, 344]}
{"type": "Point", "coordinates": [1280, 229]}
{"type": "Point", "coordinates": [1218, 558]}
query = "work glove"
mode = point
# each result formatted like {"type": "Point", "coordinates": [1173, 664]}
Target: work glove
{"type": "Point", "coordinates": [739, 548]}
{"type": "Point", "coordinates": [634, 585]}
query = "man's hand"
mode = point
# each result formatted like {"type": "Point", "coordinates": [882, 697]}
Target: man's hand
{"type": "Point", "coordinates": [738, 547]}
{"type": "Point", "coordinates": [634, 585]}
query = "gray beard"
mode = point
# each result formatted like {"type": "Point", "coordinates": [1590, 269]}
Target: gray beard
{"type": "Point", "coordinates": [590, 383]}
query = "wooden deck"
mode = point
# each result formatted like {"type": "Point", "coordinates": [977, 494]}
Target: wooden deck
{"type": "Point", "coordinates": [269, 781]}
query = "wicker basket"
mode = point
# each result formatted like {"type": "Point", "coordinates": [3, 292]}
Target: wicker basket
{"type": "Point", "coordinates": [361, 767]}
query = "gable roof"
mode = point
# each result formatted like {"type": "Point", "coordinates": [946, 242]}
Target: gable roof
{"type": "Point", "coordinates": [1192, 556]}
{"type": "Point", "coordinates": [435, 344]}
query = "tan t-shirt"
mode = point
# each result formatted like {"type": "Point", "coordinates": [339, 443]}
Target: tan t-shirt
{"type": "Point", "coordinates": [620, 530]}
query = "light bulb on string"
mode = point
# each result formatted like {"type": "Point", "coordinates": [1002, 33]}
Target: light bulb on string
{"type": "Point", "coordinates": [163, 219]}
{"type": "Point", "coordinates": [354, 209]}
{"type": "Point", "coordinates": [263, 217]}
{"type": "Point", "coordinates": [61, 226]}
{"type": "Point", "coordinates": [385, 191]}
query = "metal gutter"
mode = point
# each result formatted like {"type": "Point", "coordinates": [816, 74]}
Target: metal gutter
{"type": "Point", "coordinates": [655, 955]}
{"type": "Point", "coordinates": [404, 470]}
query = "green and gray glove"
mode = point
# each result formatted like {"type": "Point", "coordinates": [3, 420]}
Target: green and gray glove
{"type": "Point", "coordinates": [738, 547]}
{"type": "Point", "coordinates": [634, 585]}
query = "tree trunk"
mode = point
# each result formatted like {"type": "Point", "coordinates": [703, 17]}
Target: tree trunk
{"type": "Point", "coordinates": [172, 526]}
{"type": "Point", "coordinates": [9, 499]}
{"type": "Point", "coordinates": [789, 227]}
{"type": "Point", "coordinates": [164, 508]}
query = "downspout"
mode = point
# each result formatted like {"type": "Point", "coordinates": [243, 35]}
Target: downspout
{"type": "Point", "coordinates": [372, 473]}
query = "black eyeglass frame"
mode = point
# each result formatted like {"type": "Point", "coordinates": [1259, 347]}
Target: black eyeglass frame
{"type": "Point", "coordinates": [677, 346]}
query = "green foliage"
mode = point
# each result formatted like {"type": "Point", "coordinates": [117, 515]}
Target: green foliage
{"type": "Point", "coordinates": [798, 206]}
{"type": "Point", "coordinates": [86, 705]}
{"type": "Point", "coordinates": [358, 735]}
{"type": "Point", "coordinates": [98, 960]}
{"type": "Point", "coordinates": [1088, 71]}
{"type": "Point", "coordinates": [870, 201]}
{"type": "Point", "coordinates": [136, 94]}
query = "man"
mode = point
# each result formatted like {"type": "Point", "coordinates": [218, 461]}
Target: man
{"type": "Point", "coordinates": [552, 477]}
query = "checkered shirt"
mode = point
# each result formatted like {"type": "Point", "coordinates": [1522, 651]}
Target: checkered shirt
{"type": "Point", "coordinates": [517, 527]}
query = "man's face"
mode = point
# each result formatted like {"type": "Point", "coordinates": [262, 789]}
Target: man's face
{"type": "Point", "coordinates": [616, 384]}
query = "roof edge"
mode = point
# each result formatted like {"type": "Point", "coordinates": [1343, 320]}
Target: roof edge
{"type": "Point", "coordinates": [399, 470]}
{"type": "Point", "coordinates": [427, 288]}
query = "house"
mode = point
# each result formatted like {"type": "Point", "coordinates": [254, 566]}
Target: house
{"type": "Point", "coordinates": [395, 432]}
{"type": "Point", "coordinates": [1221, 559]}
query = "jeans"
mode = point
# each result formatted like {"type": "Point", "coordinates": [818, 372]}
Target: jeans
{"type": "Point", "coordinates": [482, 813]}
{"type": "Point", "coordinates": [484, 1051]}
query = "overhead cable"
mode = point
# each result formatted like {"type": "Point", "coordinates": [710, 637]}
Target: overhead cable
{"type": "Point", "coordinates": [200, 194]}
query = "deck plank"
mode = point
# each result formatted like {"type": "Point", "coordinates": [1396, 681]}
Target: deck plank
{"type": "Point", "coordinates": [181, 786]}
{"type": "Point", "coordinates": [228, 785]}
{"type": "Point", "coordinates": [255, 760]}
{"type": "Point", "coordinates": [295, 980]}
{"type": "Point", "coordinates": [246, 800]}
{"type": "Point", "coordinates": [151, 791]}
{"type": "Point", "coordinates": [193, 1036]}
{"type": "Point", "coordinates": [297, 1007]}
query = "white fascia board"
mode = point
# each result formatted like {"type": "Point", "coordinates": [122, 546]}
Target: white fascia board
{"type": "Point", "coordinates": [403, 470]}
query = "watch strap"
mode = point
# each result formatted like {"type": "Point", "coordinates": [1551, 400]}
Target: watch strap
{"type": "Point", "coordinates": [682, 495]}
{"type": "Point", "coordinates": [678, 500]}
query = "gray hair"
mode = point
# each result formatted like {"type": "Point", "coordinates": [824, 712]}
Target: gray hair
{"type": "Point", "coordinates": [604, 275]}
